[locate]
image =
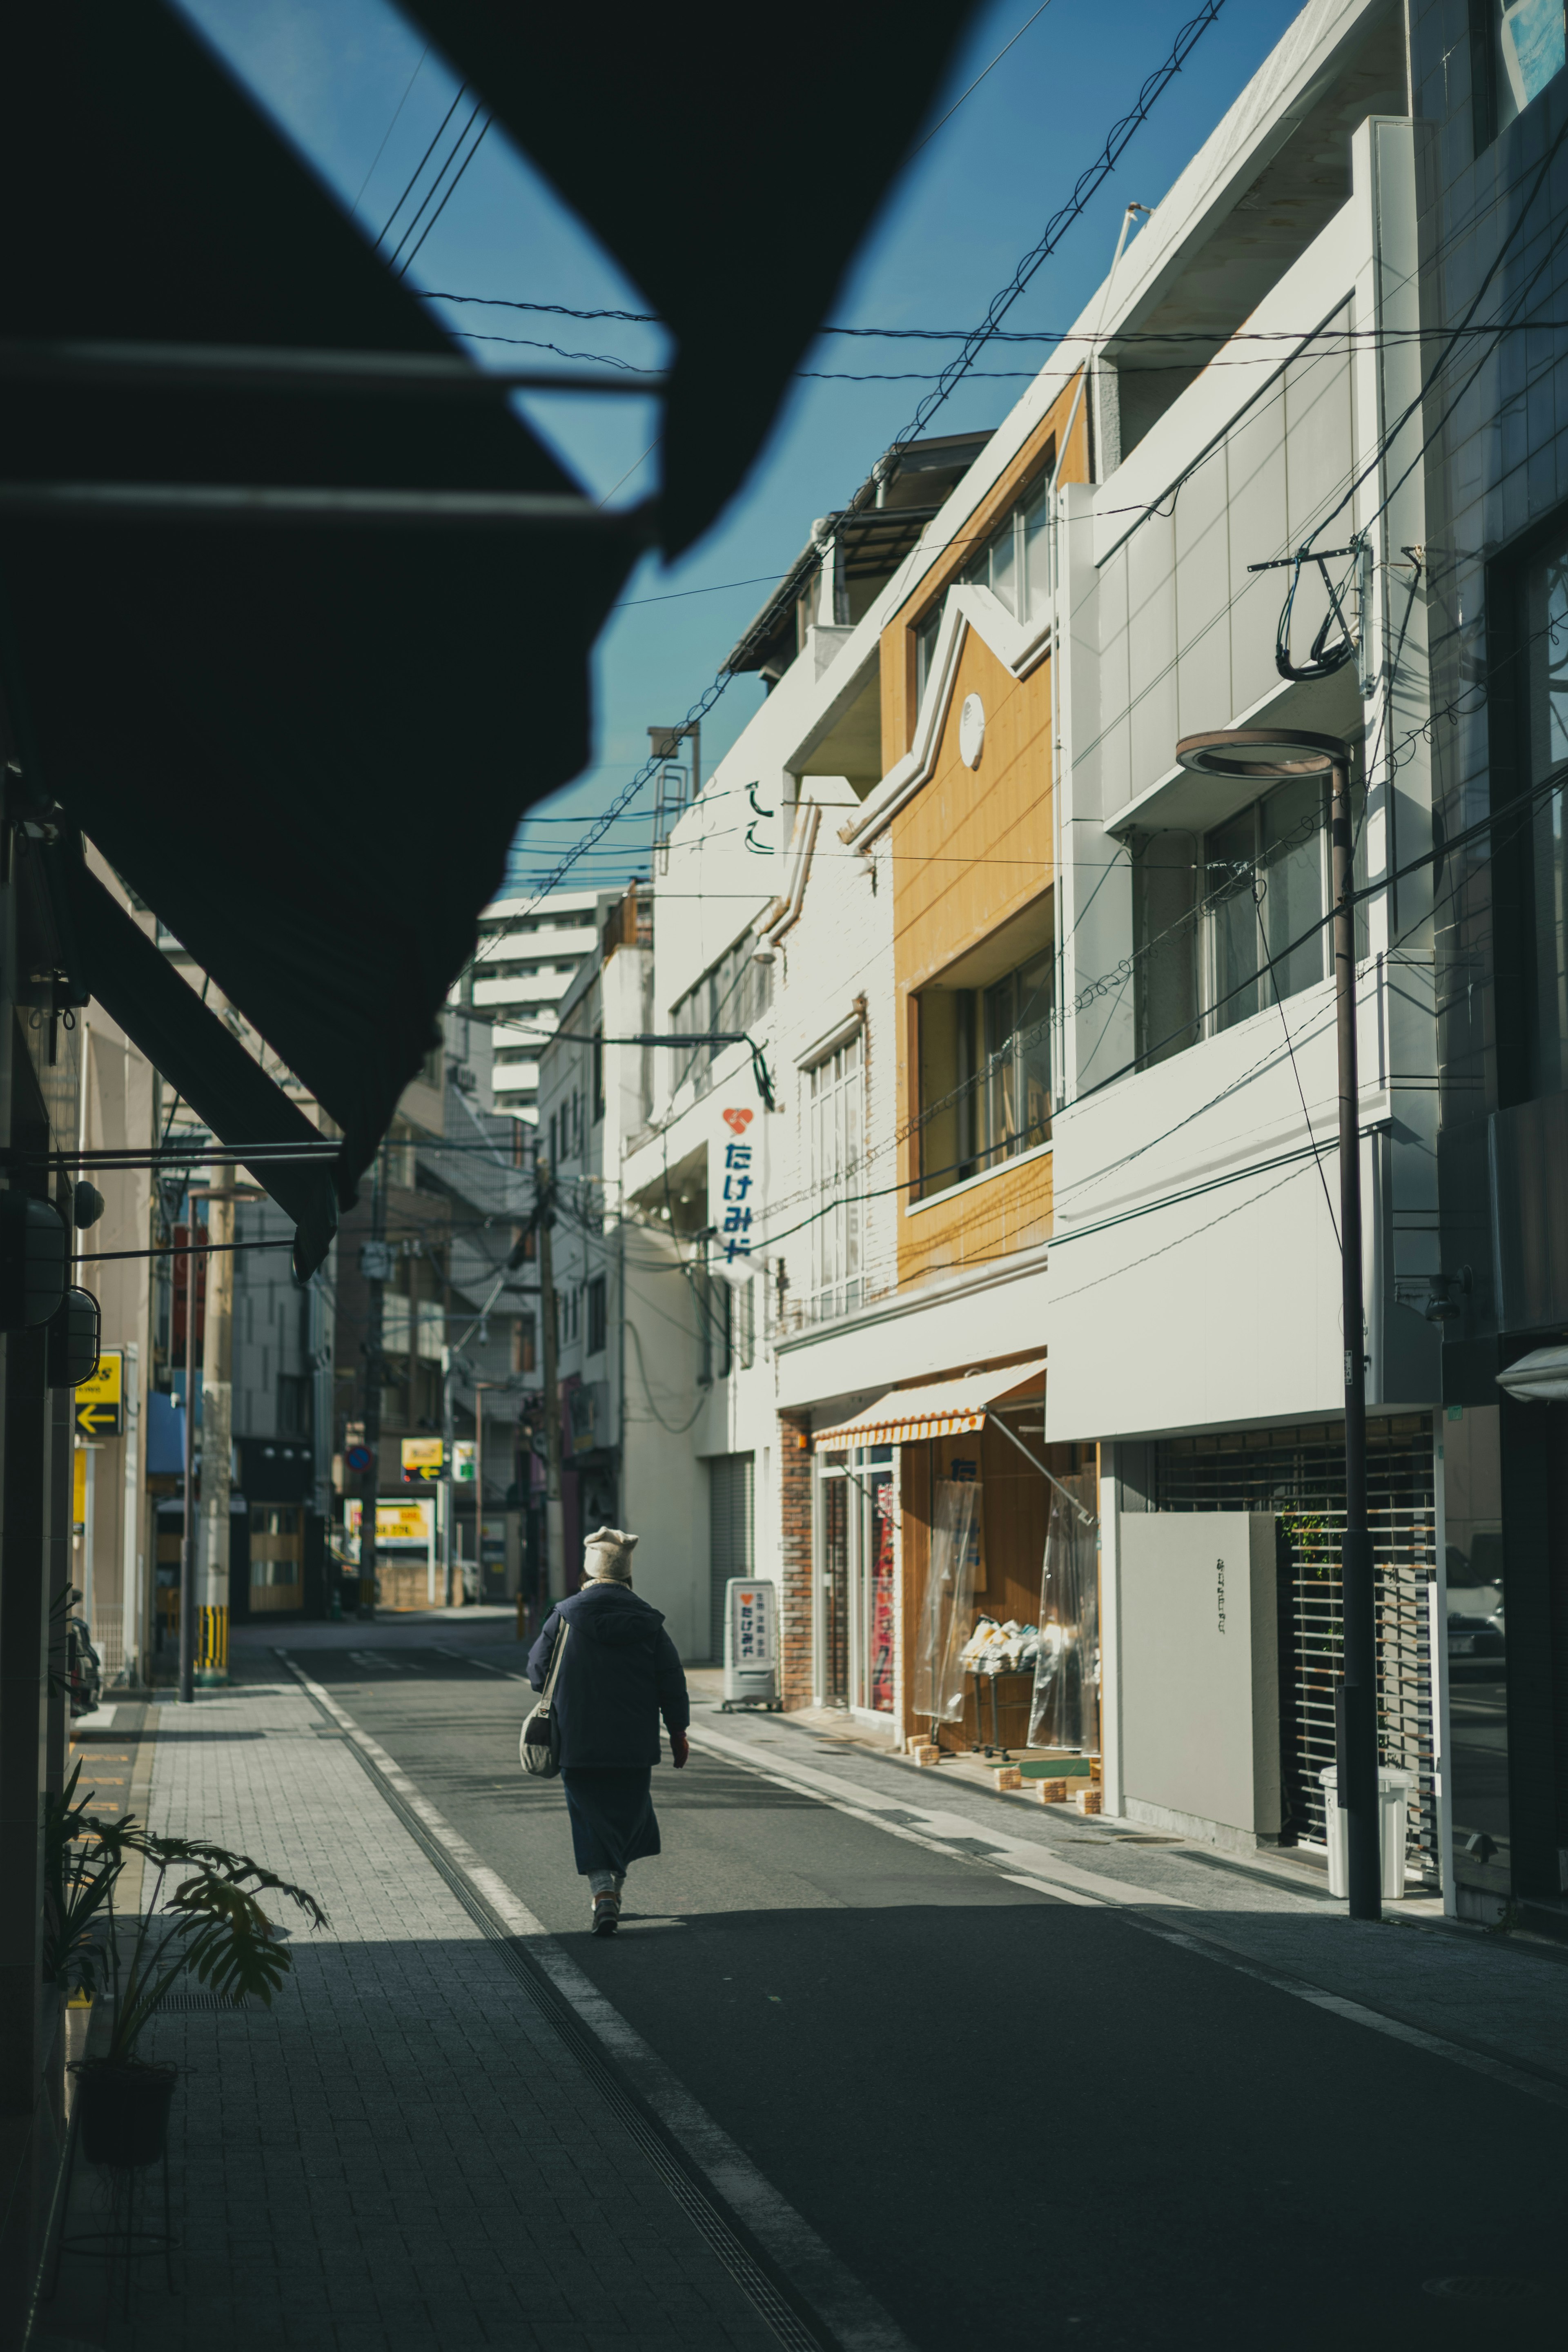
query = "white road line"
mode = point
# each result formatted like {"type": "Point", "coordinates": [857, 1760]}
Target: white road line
{"type": "Point", "coordinates": [1070, 1885]}
{"type": "Point", "coordinates": [847, 2310]}
{"type": "Point", "coordinates": [1354, 2013]}
{"type": "Point", "coordinates": [378, 1662]}
{"type": "Point", "coordinates": [443, 1651]}
{"type": "Point", "coordinates": [1028, 1864]}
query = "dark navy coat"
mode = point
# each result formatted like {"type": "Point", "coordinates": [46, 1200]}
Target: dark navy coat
{"type": "Point", "coordinates": [621, 1673]}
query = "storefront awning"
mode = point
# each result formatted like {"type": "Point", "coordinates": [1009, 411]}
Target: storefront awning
{"type": "Point", "coordinates": [942, 1409]}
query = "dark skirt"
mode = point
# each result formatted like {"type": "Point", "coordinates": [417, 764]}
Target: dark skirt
{"type": "Point", "coordinates": [612, 1819]}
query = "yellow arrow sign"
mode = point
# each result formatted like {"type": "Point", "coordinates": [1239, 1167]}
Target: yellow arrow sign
{"type": "Point", "coordinates": [100, 1399]}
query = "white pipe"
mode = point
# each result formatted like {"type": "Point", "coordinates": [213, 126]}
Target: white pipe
{"type": "Point", "coordinates": [1053, 504]}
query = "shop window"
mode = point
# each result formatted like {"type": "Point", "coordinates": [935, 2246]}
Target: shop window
{"type": "Point", "coordinates": [743, 1320]}
{"type": "Point", "coordinates": [834, 1112]}
{"type": "Point", "coordinates": [986, 1065]}
{"type": "Point", "coordinates": [1517, 47]}
{"type": "Point", "coordinates": [1232, 920]}
{"type": "Point", "coordinates": [598, 1317]}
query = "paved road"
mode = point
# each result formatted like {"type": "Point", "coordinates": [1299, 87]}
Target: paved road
{"type": "Point", "coordinates": [1019, 2116]}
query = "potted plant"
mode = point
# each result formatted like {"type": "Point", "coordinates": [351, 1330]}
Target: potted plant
{"type": "Point", "coordinates": [210, 1925]}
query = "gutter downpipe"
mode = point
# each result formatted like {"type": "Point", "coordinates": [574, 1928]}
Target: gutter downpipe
{"type": "Point", "coordinates": [1053, 502]}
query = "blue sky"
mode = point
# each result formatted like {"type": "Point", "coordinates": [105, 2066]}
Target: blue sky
{"type": "Point", "coordinates": [353, 83]}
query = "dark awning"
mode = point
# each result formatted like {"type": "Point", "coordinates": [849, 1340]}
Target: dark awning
{"type": "Point", "coordinates": [307, 747]}
{"type": "Point", "coordinates": [730, 163]}
{"type": "Point", "coordinates": [224, 1086]}
{"type": "Point", "coordinates": [294, 638]}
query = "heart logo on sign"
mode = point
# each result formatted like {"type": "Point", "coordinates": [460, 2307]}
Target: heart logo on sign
{"type": "Point", "coordinates": [739, 1120]}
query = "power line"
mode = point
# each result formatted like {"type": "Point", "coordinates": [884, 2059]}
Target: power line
{"type": "Point", "coordinates": [1087, 185]}
{"type": "Point", "coordinates": [414, 176]}
{"type": "Point", "coordinates": [448, 162]}
{"type": "Point", "coordinates": [451, 192]}
{"type": "Point", "coordinates": [979, 77]}
{"type": "Point", "coordinates": [390, 129]}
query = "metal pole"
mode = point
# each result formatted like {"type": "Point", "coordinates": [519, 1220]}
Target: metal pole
{"type": "Point", "coordinates": [1356, 1721]}
{"type": "Point", "coordinates": [193, 1266]}
{"type": "Point", "coordinates": [217, 1437]}
{"type": "Point", "coordinates": [553, 1545]}
{"type": "Point", "coordinates": [375, 1288]}
{"type": "Point", "coordinates": [448, 1471]}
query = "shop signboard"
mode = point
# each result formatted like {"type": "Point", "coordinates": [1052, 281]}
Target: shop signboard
{"type": "Point", "coordinates": [395, 1524]}
{"type": "Point", "coordinates": [737, 1186]}
{"type": "Point", "coordinates": [423, 1457]}
{"type": "Point", "coordinates": [463, 1461]}
{"type": "Point", "coordinates": [100, 1401]}
{"type": "Point", "coordinates": [751, 1643]}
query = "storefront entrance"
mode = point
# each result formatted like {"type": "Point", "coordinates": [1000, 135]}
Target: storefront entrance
{"type": "Point", "coordinates": [277, 1558]}
{"type": "Point", "coordinates": [856, 1640]}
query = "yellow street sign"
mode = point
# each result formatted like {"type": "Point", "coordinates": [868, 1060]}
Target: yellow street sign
{"type": "Point", "coordinates": [395, 1523]}
{"type": "Point", "coordinates": [422, 1458]}
{"type": "Point", "coordinates": [100, 1397]}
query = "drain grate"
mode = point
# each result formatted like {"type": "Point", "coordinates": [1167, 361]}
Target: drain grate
{"type": "Point", "coordinates": [1484, 2289]}
{"type": "Point", "coordinates": [192, 2001]}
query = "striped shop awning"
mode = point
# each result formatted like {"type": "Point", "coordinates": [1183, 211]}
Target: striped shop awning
{"type": "Point", "coordinates": [940, 1409]}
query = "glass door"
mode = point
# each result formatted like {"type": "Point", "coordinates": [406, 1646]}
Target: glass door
{"type": "Point", "coordinates": [876, 1642]}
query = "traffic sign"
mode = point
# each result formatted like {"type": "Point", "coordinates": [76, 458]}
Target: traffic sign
{"type": "Point", "coordinates": [358, 1457]}
{"type": "Point", "coordinates": [100, 1397]}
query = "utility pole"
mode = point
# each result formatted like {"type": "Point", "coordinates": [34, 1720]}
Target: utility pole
{"type": "Point", "coordinates": [448, 1472]}
{"type": "Point", "coordinates": [555, 1547]}
{"type": "Point", "coordinates": [1275, 755]}
{"type": "Point", "coordinates": [375, 1263]}
{"type": "Point", "coordinates": [188, 1520]}
{"type": "Point", "coordinates": [1356, 1725]}
{"type": "Point", "coordinates": [217, 1438]}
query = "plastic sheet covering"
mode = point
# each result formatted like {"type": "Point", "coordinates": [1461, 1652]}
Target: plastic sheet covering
{"type": "Point", "coordinates": [1065, 1710]}
{"type": "Point", "coordinates": [949, 1602]}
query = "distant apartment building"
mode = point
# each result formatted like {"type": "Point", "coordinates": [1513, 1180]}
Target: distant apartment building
{"type": "Point", "coordinates": [529, 953]}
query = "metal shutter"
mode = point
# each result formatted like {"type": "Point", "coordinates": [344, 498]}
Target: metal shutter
{"type": "Point", "coordinates": [729, 1551]}
{"type": "Point", "coordinates": [1301, 1475]}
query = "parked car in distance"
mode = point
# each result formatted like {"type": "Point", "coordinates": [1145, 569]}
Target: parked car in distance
{"type": "Point", "coordinates": [1474, 1637]}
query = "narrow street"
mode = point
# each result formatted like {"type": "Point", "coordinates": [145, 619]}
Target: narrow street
{"type": "Point", "coordinates": [1154, 2098]}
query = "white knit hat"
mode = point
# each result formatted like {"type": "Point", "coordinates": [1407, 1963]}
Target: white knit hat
{"type": "Point", "coordinates": [607, 1556]}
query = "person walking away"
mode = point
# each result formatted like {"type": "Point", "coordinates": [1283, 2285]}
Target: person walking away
{"type": "Point", "coordinates": [619, 1673]}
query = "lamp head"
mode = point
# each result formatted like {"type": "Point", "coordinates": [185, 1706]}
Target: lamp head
{"type": "Point", "coordinates": [1262, 755]}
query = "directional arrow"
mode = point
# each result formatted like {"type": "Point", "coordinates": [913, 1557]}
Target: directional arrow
{"type": "Point", "coordinates": [98, 1419]}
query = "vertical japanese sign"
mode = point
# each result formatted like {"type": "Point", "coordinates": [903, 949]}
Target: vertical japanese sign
{"type": "Point", "coordinates": [737, 1186]}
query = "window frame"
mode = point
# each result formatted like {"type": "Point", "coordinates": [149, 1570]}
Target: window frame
{"type": "Point", "coordinates": [984, 1077]}
{"type": "Point", "coordinates": [833, 1108]}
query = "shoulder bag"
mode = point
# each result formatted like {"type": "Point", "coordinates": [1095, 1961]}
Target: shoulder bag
{"type": "Point", "coordinates": [539, 1749]}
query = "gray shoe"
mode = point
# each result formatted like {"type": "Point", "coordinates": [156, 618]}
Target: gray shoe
{"type": "Point", "coordinates": [606, 1914]}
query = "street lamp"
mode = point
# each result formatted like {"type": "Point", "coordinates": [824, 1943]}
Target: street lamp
{"type": "Point", "coordinates": [1262, 756]}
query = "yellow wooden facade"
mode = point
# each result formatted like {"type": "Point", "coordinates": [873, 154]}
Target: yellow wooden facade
{"type": "Point", "coordinates": [971, 853]}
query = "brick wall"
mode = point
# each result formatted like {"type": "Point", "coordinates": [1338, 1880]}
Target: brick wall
{"type": "Point", "coordinates": [794, 1555]}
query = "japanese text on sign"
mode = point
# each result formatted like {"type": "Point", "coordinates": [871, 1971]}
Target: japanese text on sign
{"type": "Point", "coordinates": [735, 1224]}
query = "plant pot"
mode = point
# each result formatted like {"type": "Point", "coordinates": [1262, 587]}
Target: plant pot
{"type": "Point", "coordinates": [124, 2111]}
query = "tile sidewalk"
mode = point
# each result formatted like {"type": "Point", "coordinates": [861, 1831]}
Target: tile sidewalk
{"type": "Point", "coordinates": [402, 2153]}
